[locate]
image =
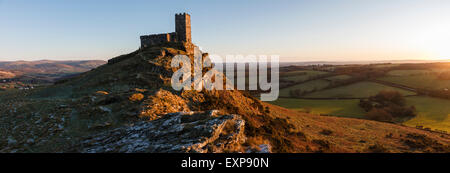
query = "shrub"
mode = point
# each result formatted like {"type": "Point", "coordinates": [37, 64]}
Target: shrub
{"type": "Point", "coordinates": [386, 105]}
{"type": "Point", "coordinates": [386, 97]}
{"type": "Point", "coordinates": [365, 104]}
{"type": "Point", "coordinates": [136, 97]}
{"type": "Point", "coordinates": [379, 115]}
{"type": "Point", "coordinates": [444, 75]}
{"type": "Point", "coordinates": [326, 132]}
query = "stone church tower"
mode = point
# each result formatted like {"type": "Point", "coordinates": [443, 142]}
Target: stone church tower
{"type": "Point", "coordinates": [182, 35]}
{"type": "Point", "coordinates": [183, 27]}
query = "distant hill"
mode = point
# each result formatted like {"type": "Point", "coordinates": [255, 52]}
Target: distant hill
{"type": "Point", "coordinates": [45, 70]}
{"type": "Point", "coordinates": [6, 74]}
{"type": "Point", "coordinates": [306, 63]}
{"type": "Point", "coordinates": [49, 66]}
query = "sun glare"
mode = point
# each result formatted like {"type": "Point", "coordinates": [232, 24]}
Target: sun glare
{"type": "Point", "coordinates": [442, 50]}
{"type": "Point", "coordinates": [437, 43]}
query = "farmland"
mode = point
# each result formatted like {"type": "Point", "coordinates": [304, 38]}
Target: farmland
{"type": "Point", "coordinates": [357, 90]}
{"type": "Point", "coordinates": [432, 112]}
{"type": "Point", "coordinates": [339, 93]}
{"type": "Point", "coordinates": [299, 76]}
{"type": "Point", "coordinates": [425, 81]}
{"type": "Point", "coordinates": [305, 87]}
{"type": "Point", "coordinates": [340, 108]}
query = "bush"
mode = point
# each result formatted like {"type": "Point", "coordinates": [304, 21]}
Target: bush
{"type": "Point", "coordinates": [326, 132]}
{"type": "Point", "coordinates": [387, 97]}
{"type": "Point", "coordinates": [379, 115]}
{"type": "Point", "coordinates": [444, 75]}
{"type": "Point", "coordinates": [136, 97]}
{"type": "Point", "coordinates": [387, 105]}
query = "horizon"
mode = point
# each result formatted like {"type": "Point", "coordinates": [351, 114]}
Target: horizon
{"type": "Point", "coordinates": [299, 31]}
{"type": "Point", "coordinates": [405, 61]}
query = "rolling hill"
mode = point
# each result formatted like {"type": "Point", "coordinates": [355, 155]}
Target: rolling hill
{"type": "Point", "coordinates": [44, 70]}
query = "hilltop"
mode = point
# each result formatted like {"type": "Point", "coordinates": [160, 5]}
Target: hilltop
{"type": "Point", "coordinates": [128, 105]}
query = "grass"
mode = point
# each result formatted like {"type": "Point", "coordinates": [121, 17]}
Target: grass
{"type": "Point", "coordinates": [338, 77]}
{"type": "Point", "coordinates": [440, 70]}
{"type": "Point", "coordinates": [424, 81]}
{"type": "Point", "coordinates": [432, 112]}
{"type": "Point", "coordinates": [340, 108]}
{"type": "Point", "coordinates": [308, 86]}
{"type": "Point", "coordinates": [407, 72]}
{"type": "Point", "coordinates": [357, 90]}
{"type": "Point", "coordinates": [298, 76]}
{"type": "Point", "coordinates": [385, 65]}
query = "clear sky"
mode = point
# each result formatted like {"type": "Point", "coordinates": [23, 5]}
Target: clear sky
{"type": "Point", "coordinates": [313, 30]}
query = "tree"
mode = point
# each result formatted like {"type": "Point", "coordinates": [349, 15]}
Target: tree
{"type": "Point", "coordinates": [378, 114]}
{"type": "Point", "coordinates": [387, 105]}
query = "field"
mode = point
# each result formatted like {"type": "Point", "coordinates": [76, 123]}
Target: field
{"type": "Point", "coordinates": [385, 65]}
{"type": "Point", "coordinates": [357, 90]}
{"type": "Point", "coordinates": [318, 98]}
{"type": "Point", "coordinates": [306, 87]}
{"type": "Point", "coordinates": [408, 72]}
{"type": "Point", "coordinates": [432, 112]}
{"type": "Point", "coordinates": [338, 78]}
{"type": "Point", "coordinates": [341, 108]}
{"type": "Point", "coordinates": [300, 76]}
{"type": "Point", "coordinates": [423, 81]}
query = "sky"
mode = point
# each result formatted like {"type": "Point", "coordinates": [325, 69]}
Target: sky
{"type": "Point", "coordinates": [297, 30]}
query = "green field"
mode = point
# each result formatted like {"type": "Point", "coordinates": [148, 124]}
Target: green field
{"type": "Point", "coordinates": [440, 70]}
{"type": "Point", "coordinates": [385, 65]}
{"type": "Point", "coordinates": [307, 87]}
{"type": "Point", "coordinates": [408, 72]}
{"type": "Point", "coordinates": [342, 108]}
{"type": "Point", "coordinates": [338, 77]}
{"type": "Point", "coordinates": [425, 81]}
{"type": "Point", "coordinates": [357, 90]}
{"type": "Point", "coordinates": [432, 112]}
{"type": "Point", "coordinates": [298, 76]}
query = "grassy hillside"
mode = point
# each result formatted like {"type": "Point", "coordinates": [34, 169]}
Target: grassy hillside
{"type": "Point", "coordinates": [337, 134]}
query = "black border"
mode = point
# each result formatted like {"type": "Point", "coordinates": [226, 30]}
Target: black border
{"type": "Point", "coordinates": [172, 161]}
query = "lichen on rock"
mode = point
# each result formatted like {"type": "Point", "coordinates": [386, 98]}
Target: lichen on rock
{"type": "Point", "coordinates": [197, 132]}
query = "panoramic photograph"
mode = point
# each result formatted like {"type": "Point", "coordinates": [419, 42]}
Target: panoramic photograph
{"type": "Point", "coordinates": [250, 79]}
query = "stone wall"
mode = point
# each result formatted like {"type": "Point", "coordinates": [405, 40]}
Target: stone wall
{"type": "Point", "coordinates": [148, 40]}
{"type": "Point", "coordinates": [182, 34]}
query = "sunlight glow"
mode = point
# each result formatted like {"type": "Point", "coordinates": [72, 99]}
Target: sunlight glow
{"type": "Point", "coordinates": [436, 42]}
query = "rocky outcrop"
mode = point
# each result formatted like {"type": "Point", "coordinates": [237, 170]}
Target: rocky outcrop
{"type": "Point", "coordinates": [199, 132]}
